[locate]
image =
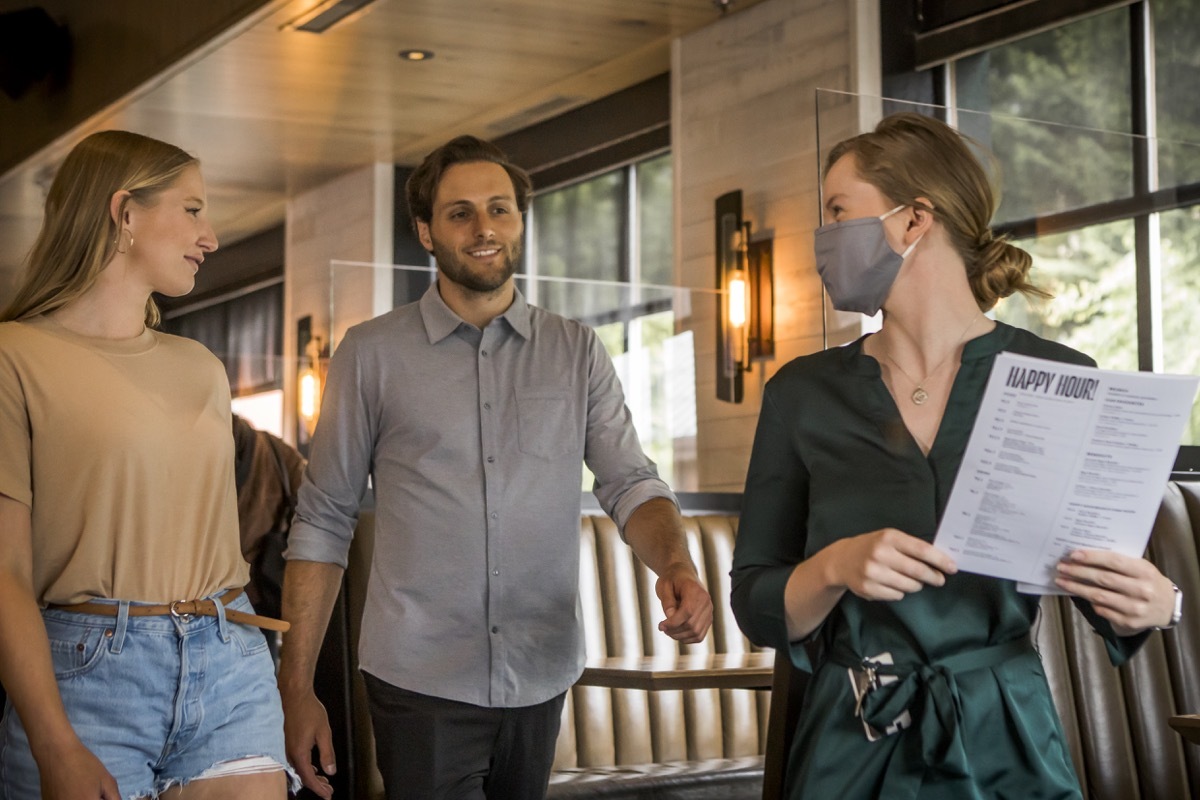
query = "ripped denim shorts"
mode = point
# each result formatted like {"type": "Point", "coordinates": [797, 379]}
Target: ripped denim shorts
{"type": "Point", "coordinates": [160, 700]}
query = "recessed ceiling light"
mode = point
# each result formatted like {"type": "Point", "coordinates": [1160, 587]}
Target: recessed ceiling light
{"type": "Point", "coordinates": [416, 55]}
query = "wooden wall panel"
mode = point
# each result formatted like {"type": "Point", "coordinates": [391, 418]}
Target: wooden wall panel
{"type": "Point", "coordinates": [340, 220]}
{"type": "Point", "coordinates": [744, 118]}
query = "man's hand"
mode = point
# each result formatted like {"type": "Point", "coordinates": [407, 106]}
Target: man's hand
{"type": "Point", "coordinates": [305, 726]}
{"type": "Point", "coordinates": [655, 532]}
{"type": "Point", "coordinates": [76, 774]}
{"type": "Point", "coordinates": [1128, 592]}
{"type": "Point", "coordinates": [309, 591]}
{"type": "Point", "coordinates": [686, 604]}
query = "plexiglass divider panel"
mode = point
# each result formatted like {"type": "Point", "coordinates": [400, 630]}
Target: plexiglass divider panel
{"type": "Point", "coordinates": [646, 329]}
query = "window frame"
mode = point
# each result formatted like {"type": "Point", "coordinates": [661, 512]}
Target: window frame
{"type": "Point", "coordinates": [1147, 199]}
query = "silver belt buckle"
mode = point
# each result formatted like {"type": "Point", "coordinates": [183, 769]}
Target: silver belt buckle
{"type": "Point", "coordinates": [175, 612]}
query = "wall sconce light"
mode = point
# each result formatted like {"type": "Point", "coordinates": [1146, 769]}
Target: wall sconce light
{"type": "Point", "coordinates": [310, 387]}
{"type": "Point", "coordinates": [746, 286]}
{"type": "Point", "coordinates": [311, 379]}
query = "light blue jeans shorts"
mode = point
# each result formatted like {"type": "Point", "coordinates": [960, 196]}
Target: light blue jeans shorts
{"type": "Point", "coordinates": [159, 700]}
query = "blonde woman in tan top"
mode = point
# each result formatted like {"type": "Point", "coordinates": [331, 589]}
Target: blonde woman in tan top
{"type": "Point", "coordinates": [133, 661]}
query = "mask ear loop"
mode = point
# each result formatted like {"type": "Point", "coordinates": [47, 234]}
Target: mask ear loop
{"type": "Point", "coordinates": [908, 250]}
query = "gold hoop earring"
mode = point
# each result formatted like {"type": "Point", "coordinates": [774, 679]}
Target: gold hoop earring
{"type": "Point", "coordinates": [128, 246]}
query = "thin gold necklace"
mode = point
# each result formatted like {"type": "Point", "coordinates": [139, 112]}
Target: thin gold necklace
{"type": "Point", "coordinates": [919, 395]}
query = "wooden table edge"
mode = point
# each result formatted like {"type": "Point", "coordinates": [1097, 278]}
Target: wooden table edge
{"type": "Point", "coordinates": [1188, 726]}
{"type": "Point", "coordinates": [754, 671]}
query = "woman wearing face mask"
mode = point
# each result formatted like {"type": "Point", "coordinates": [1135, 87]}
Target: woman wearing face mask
{"type": "Point", "coordinates": [133, 662]}
{"type": "Point", "coordinates": [925, 683]}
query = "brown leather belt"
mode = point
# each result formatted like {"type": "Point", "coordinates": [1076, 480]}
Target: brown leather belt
{"type": "Point", "coordinates": [185, 610]}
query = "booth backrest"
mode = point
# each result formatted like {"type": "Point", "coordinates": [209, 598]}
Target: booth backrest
{"type": "Point", "coordinates": [621, 612]}
{"type": "Point", "coordinates": [1116, 719]}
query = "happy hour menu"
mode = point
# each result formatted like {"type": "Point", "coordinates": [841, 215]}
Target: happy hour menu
{"type": "Point", "coordinates": [1062, 458]}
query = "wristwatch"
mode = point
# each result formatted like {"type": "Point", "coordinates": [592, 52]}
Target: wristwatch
{"type": "Point", "coordinates": [1177, 614]}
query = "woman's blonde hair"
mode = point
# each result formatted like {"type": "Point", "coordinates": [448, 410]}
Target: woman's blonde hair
{"type": "Point", "coordinates": [908, 156]}
{"type": "Point", "coordinates": [79, 237]}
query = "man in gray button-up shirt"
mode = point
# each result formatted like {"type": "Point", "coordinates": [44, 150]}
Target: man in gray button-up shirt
{"type": "Point", "coordinates": [471, 411]}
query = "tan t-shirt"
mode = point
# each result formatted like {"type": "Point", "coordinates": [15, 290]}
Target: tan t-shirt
{"type": "Point", "coordinates": [123, 450]}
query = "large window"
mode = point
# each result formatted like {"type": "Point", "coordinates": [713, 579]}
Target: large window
{"type": "Point", "coordinates": [579, 232]}
{"type": "Point", "coordinates": [1176, 76]}
{"type": "Point", "coordinates": [1180, 254]}
{"type": "Point", "coordinates": [1097, 133]}
{"type": "Point", "coordinates": [591, 241]}
{"type": "Point", "coordinates": [1077, 77]}
{"type": "Point", "coordinates": [600, 250]}
{"type": "Point", "coordinates": [1090, 274]}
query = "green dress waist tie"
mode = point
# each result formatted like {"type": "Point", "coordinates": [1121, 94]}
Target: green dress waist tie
{"type": "Point", "coordinates": [929, 694]}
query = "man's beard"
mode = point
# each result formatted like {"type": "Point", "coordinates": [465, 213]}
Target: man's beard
{"type": "Point", "coordinates": [460, 272]}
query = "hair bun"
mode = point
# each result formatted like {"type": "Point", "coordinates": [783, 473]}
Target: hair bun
{"type": "Point", "coordinates": [1001, 269]}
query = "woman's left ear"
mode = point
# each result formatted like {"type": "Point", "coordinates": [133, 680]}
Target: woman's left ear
{"type": "Point", "coordinates": [922, 216]}
{"type": "Point", "coordinates": [115, 211]}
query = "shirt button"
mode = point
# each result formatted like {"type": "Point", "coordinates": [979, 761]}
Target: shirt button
{"type": "Point", "coordinates": [495, 515]}
{"type": "Point", "coordinates": [483, 353]}
{"type": "Point", "coordinates": [495, 629]}
{"type": "Point", "coordinates": [491, 459]}
{"type": "Point", "coordinates": [495, 572]}
{"type": "Point", "coordinates": [488, 406]}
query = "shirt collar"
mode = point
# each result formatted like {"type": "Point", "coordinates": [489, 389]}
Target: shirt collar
{"type": "Point", "coordinates": [991, 343]}
{"type": "Point", "coordinates": [517, 315]}
{"type": "Point", "coordinates": [440, 321]}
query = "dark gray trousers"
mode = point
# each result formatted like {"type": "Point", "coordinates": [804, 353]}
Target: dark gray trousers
{"type": "Point", "coordinates": [432, 748]}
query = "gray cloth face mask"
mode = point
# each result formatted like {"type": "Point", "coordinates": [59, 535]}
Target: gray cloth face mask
{"type": "Point", "coordinates": [856, 263]}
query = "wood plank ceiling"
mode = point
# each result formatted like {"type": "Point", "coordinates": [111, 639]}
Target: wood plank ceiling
{"type": "Point", "coordinates": [274, 111]}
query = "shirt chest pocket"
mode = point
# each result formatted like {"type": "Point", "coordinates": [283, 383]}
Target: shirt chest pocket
{"type": "Point", "coordinates": [547, 422]}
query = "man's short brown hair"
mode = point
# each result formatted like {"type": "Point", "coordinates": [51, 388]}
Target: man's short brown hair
{"type": "Point", "coordinates": [422, 184]}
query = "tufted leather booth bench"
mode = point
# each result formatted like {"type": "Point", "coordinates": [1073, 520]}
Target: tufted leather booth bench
{"type": "Point", "coordinates": [621, 744]}
{"type": "Point", "coordinates": [618, 743]}
{"type": "Point", "coordinates": [1116, 720]}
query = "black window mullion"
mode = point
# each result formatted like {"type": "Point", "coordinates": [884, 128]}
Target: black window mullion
{"type": "Point", "coordinates": [1145, 182]}
{"type": "Point", "coordinates": [1100, 213]}
{"type": "Point", "coordinates": [630, 267]}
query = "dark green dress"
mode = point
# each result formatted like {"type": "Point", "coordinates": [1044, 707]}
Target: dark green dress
{"type": "Point", "coordinates": [833, 459]}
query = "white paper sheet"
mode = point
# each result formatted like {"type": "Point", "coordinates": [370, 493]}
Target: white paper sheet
{"type": "Point", "coordinates": [1062, 458]}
